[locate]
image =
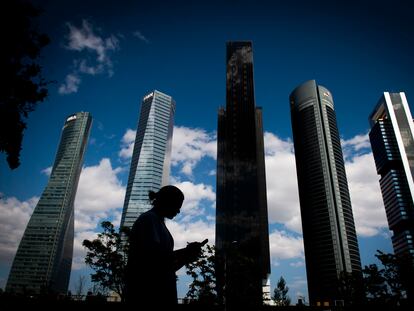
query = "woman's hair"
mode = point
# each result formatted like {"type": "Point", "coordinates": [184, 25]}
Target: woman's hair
{"type": "Point", "coordinates": [152, 195]}
{"type": "Point", "coordinates": [165, 193]}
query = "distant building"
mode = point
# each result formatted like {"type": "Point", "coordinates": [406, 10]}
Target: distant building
{"type": "Point", "coordinates": [242, 236]}
{"type": "Point", "coordinates": [392, 142]}
{"type": "Point", "coordinates": [331, 246]}
{"type": "Point", "coordinates": [267, 295]}
{"type": "Point", "coordinates": [150, 163]}
{"type": "Point", "coordinates": [44, 258]}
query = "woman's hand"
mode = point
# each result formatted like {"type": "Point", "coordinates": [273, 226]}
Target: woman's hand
{"type": "Point", "coordinates": [194, 251]}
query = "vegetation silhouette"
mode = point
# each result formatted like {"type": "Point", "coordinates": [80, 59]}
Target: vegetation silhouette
{"type": "Point", "coordinates": [22, 86]}
{"type": "Point", "coordinates": [107, 256]}
{"type": "Point", "coordinates": [391, 285]}
{"type": "Point", "coordinates": [280, 296]}
{"type": "Point", "coordinates": [202, 290]}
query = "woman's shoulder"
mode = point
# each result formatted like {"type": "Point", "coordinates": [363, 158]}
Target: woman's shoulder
{"type": "Point", "coordinates": [146, 217]}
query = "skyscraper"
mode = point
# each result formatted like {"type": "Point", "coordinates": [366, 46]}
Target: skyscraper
{"type": "Point", "coordinates": [331, 246]}
{"type": "Point", "coordinates": [150, 163]}
{"type": "Point", "coordinates": [44, 257]}
{"type": "Point", "coordinates": [242, 236]}
{"type": "Point", "coordinates": [392, 144]}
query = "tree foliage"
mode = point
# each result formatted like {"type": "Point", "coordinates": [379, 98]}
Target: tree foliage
{"type": "Point", "coordinates": [22, 86]}
{"type": "Point", "coordinates": [375, 283]}
{"type": "Point", "coordinates": [107, 255]}
{"type": "Point", "coordinates": [280, 295]}
{"type": "Point", "coordinates": [391, 284]}
{"type": "Point", "coordinates": [202, 290]}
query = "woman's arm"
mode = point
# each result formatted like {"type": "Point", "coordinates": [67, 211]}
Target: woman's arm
{"type": "Point", "coordinates": [188, 254]}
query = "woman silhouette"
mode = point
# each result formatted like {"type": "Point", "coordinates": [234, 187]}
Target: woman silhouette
{"type": "Point", "coordinates": [152, 261]}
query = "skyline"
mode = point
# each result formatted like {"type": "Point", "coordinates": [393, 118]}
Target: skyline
{"type": "Point", "coordinates": [183, 55]}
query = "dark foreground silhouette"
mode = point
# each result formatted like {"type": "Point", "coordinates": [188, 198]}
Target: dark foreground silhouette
{"type": "Point", "coordinates": [152, 261]}
{"type": "Point", "coordinates": [11, 302]}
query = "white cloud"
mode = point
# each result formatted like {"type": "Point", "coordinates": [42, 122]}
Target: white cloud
{"type": "Point", "coordinates": [364, 188]}
{"type": "Point", "coordinates": [299, 286]}
{"type": "Point", "coordinates": [191, 232]}
{"type": "Point", "coordinates": [85, 39]}
{"type": "Point", "coordinates": [127, 144]}
{"type": "Point", "coordinates": [297, 264]}
{"type": "Point", "coordinates": [71, 84]}
{"type": "Point", "coordinates": [90, 70]}
{"type": "Point", "coordinates": [282, 188]}
{"type": "Point", "coordinates": [15, 215]}
{"type": "Point", "coordinates": [357, 145]}
{"type": "Point", "coordinates": [367, 204]}
{"type": "Point", "coordinates": [100, 197]}
{"type": "Point", "coordinates": [100, 194]}
{"type": "Point", "coordinates": [357, 142]}
{"type": "Point", "coordinates": [285, 246]}
{"type": "Point", "coordinates": [79, 252]}
{"type": "Point", "coordinates": [47, 171]}
{"type": "Point", "coordinates": [140, 36]}
{"type": "Point", "coordinates": [195, 196]}
{"type": "Point", "coordinates": [281, 181]}
{"type": "Point", "coordinates": [212, 173]}
{"type": "Point", "coordinates": [190, 145]}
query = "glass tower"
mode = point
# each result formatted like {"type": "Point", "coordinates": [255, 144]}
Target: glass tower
{"type": "Point", "coordinates": [150, 163]}
{"type": "Point", "coordinates": [330, 241]}
{"type": "Point", "coordinates": [392, 142]}
{"type": "Point", "coordinates": [44, 257]}
{"type": "Point", "coordinates": [242, 235]}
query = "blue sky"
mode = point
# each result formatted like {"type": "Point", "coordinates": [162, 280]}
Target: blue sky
{"type": "Point", "coordinates": [106, 56]}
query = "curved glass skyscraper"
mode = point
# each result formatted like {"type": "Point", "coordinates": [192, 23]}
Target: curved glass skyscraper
{"type": "Point", "coordinates": [150, 163]}
{"type": "Point", "coordinates": [331, 246]}
{"type": "Point", "coordinates": [44, 258]}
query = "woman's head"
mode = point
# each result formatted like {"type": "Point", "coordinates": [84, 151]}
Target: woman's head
{"type": "Point", "coordinates": [167, 201]}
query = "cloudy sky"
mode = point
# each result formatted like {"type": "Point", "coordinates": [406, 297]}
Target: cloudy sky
{"type": "Point", "coordinates": [105, 56]}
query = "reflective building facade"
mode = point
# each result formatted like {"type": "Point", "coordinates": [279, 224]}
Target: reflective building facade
{"type": "Point", "coordinates": [392, 144]}
{"type": "Point", "coordinates": [242, 237]}
{"type": "Point", "coordinates": [330, 241]}
{"type": "Point", "coordinates": [150, 163]}
{"type": "Point", "coordinates": [44, 257]}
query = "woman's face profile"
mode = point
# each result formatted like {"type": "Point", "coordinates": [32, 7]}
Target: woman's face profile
{"type": "Point", "coordinates": [170, 204]}
{"type": "Point", "coordinates": [173, 207]}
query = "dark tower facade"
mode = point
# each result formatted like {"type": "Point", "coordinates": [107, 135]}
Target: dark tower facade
{"type": "Point", "coordinates": [331, 246]}
{"type": "Point", "coordinates": [392, 142]}
{"type": "Point", "coordinates": [242, 235]}
{"type": "Point", "coordinates": [43, 260]}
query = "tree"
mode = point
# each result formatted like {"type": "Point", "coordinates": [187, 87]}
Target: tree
{"type": "Point", "coordinates": [107, 255]}
{"type": "Point", "coordinates": [376, 288]}
{"type": "Point", "coordinates": [22, 86]}
{"type": "Point", "coordinates": [393, 283]}
{"type": "Point", "coordinates": [280, 296]}
{"type": "Point", "coordinates": [392, 275]}
{"type": "Point", "coordinates": [203, 288]}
